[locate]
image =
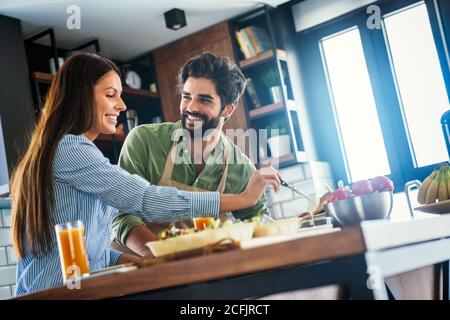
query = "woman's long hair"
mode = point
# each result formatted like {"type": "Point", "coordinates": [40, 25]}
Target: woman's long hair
{"type": "Point", "coordinates": [69, 109]}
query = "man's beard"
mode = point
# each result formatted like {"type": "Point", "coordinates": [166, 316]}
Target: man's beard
{"type": "Point", "coordinates": [207, 124]}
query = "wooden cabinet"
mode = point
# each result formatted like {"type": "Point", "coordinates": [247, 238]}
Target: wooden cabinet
{"type": "Point", "coordinates": [169, 59]}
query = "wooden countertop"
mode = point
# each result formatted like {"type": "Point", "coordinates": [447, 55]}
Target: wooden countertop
{"type": "Point", "coordinates": [373, 235]}
{"type": "Point", "coordinates": [215, 266]}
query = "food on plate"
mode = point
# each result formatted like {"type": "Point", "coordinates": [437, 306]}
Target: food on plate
{"type": "Point", "coordinates": [199, 225]}
{"type": "Point", "coordinates": [435, 187]}
{"type": "Point", "coordinates": [203, 223]}
{"type": "Point", "coordinates": [176, 240]}
{"type": "Point", "coordinates": [174, 232]}
{"type": "Point", "coordinates": [276, 228]}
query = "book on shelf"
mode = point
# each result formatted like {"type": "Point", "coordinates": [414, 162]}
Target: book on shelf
{"type": "Point", "coordinates": [252, 41]}
{"type": "Point", "coordinates": [249, 43]}
{"type": "Point", "coordinates": [252, 38]}
{"type": "Point", "coordinates": [262, 38]}
{"type": "Point", "coordinates": [243, 45]}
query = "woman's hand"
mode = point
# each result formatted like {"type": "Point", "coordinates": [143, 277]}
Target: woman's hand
{"type": "Point", "coordinates": [258, 182]}
{"type": "Point", "coordinates": [256, 186]}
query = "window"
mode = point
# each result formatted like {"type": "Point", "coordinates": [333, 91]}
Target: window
{"type": "Point", "coordinates": [354, 104]}
{"type": "Point", "coordinates": [387, 89]}
{"type": "Point", "coordinates": [420, 83]}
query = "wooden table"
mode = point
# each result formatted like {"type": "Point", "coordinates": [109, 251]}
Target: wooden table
{"type": "Point", "coordinates": [360, 258]}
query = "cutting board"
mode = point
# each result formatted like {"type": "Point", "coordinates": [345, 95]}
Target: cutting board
{"type": "Point", "coordinates": [264, 241]}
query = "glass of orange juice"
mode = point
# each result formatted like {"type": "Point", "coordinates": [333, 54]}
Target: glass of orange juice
{"type": "Point", "coordinates": [202, 223]}
{"type": "Point", "coordinates": [72, 249]}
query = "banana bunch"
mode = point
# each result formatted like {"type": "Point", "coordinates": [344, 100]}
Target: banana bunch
{"type": "Point", "coordinates": [435, 187]}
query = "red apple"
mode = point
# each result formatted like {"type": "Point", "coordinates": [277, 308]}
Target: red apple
{"type": "Point", "coordinates": [362, 187]}
{"type": "Point", "coordinates": [382, 183]}
{"type": "Point", "coordinates": [339, 194]}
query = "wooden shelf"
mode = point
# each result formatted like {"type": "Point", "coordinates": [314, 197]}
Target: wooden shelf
{"type": "Point", "coordinates": [42, 76]}
{"type": "Point", "coordinates": [270, 109]}
{"type": "Point", "coordinates": [263, 56]}
{"type": "Point", "coordinates": [47, 77]}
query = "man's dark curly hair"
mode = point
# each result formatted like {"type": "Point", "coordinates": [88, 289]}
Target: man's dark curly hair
{"type": "Point", "coordinates": [228, 78]}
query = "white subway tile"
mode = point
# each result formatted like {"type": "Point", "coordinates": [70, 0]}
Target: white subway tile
{"type": "Point", "coordinates": [12, 258]}
{"type": "Point", "coordinates": [317, 170]}
{"type": "Point", "coordinates": [325, 170]}
{"type": "Point", "coordinates": [5, 237]}
{"type": "Point", "coordinates": [294, 173]}
{"type": "Point", "coordinates": [330, 183]}
{"type": "Point", "coordinates": [307, 171]}
{"type": "Point", "coordinates": [307, 187]}
{"type": "Point", "coordinates": [3, 260]}
{"type": "Point", "coordinates": [1, 218]}
{"type": "Point", "coordinates": [276, 212]}
{"type": "Point", "coordinates": [5, 292]}
{"type": "Point", "coordinates": [13, 290]}
{"type": "Point", "coordinates": [7, 275]}
{"type": "Point", "coordinates": [6, 217]}
{"type": "Point", "coordinates": [284, 194]}
{"type": "Point", "coordinates": [323, 184]}
{"type": "Point", "coordinates": [294, 208]}
{"type": "Point", "coordinates": [269, 200]}
{"type": "Point", "coordinates": [314, 166]}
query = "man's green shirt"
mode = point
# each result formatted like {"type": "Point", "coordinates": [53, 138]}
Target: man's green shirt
{"type": "Point", "coordinates": [145, 152]}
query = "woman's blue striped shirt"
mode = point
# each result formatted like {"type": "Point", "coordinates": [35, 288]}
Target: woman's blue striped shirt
{"type": "Point", "coordinates": [88, 188]}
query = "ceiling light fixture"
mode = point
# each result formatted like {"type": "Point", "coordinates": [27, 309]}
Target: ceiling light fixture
{"type": "Point", "coordinates": [175, 19]}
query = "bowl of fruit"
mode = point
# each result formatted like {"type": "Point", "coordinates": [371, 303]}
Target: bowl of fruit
{"type": "Point", "coordinates": [365, 200]}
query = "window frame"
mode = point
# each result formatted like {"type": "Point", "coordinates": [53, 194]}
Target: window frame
{"type": "Point", "coordinates": [323, 113]}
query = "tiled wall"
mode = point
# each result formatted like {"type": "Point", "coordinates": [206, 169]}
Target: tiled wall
{"type": "Point", "coordinates": [7, 258]}
{"type": "Point", "coordinates": [311, 179]}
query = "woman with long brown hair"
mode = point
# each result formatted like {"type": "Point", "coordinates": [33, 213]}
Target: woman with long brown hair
{"type": "Point", "coordinates": [64, 177]}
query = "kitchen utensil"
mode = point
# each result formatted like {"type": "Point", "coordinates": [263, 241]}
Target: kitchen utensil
{"type": "Point", "coordinates": [288, 185]}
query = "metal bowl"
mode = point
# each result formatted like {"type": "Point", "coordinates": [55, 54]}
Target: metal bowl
{"type": "Point", "coordinates": [377, 205]}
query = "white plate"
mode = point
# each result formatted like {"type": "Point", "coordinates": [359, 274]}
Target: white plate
{"type": "Point", "coordinates": [264, 241]}
{"type": "Point", "coordinates": [238, 232]}
{"type": "Point", "coordinates": [276, 228]}
{"type": "Point", "coordinates": [438, 207]}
